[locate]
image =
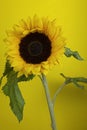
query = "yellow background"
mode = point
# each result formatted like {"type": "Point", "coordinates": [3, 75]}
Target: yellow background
{"type": "Point", "coordinates": [71, 103]}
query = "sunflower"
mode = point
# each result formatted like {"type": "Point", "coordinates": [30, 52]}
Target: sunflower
{"type": "Point", "coordinates": [34, 46]}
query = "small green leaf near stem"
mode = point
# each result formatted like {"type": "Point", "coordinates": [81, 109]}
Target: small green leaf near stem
{"type": "Point", "coordinates": [68, 80]}
{"type": "Point", "coordinates": [24, 78]}
{"type": "Point", "coordinates": [68, 53]}
{"type": "Point", "coordinates": [75, 80]}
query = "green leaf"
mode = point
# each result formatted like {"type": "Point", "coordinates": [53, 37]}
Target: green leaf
{"type": "Point", "coordinates": [70, 53]}
{"type": "Point", "coordinates": [81, 79]}
{"type": "Point", "coordinates": [11, 90]}
{"type": "Point", "coordinates": [75, 80]}
{"type": "Point", "coordinates": [1, 80]}
{"type": "Point", "coordinates": [78, 85]}
{"type": "Point", "coordinates": [24, 78]}
{"type": "Point", "coordinates": [7, 70]}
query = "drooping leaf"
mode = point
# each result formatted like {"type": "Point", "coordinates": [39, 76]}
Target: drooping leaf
{"type": "Point", "coordinates": [75, 80]}
{"type": "Point", "coordinates": [24, 78]}
{"type": "Point", "coordinates": [11, 90]}
{"type": "Point", "coordinates": [68, 52]}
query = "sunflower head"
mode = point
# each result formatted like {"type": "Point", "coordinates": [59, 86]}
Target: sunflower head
{"type": "Point", "coordinates": [35, 45]}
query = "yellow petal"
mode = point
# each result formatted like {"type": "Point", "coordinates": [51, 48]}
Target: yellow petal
{"type": "Point", "coordinates": [36, 69]}
{"type": "Point", "coordinates": [37, 23]}
{"type": "Point", "coordinates": [23, 24]}
{"type": "Point", "coordinates": [29, 23]}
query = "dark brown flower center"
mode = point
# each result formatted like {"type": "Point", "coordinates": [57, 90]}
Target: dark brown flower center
{"type": "Point", "coordinates": [35, 48]}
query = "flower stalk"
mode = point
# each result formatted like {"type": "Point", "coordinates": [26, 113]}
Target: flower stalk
{"type": "Point", "coordinates": [49, 102]}
{"type": "Point", "coordinates": [57, 92]}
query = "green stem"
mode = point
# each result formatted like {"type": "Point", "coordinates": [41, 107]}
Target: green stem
{"type": "Point", "coordinates": [57, 92]}
{"type": "Point", "coordinates": [50, 104]}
